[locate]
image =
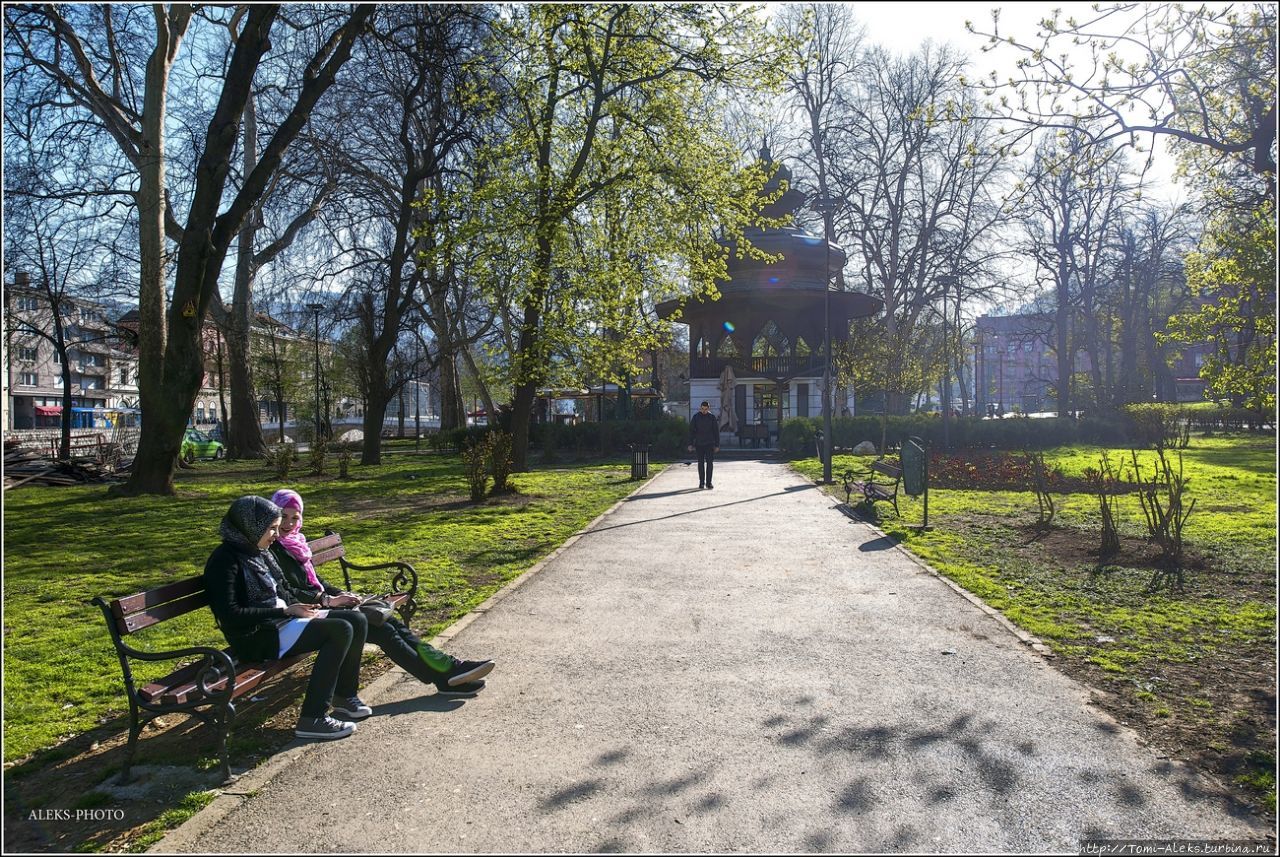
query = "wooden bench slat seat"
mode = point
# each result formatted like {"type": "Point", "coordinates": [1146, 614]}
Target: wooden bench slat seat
{"type": "Point", "coordinates": [181, 689]}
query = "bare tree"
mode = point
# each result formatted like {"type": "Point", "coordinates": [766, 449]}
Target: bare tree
{"type": "Point", "coordinates": [914, 175]}
{"type": "Point", "coordinates": [1073, 196]}
{"type": "Point", "coordinates": [82, 53]}
{"type": "Point", "coordinates": [405, 116]}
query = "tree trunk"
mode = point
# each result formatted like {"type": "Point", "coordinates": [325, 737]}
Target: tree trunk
{"type": "Point", "coordinates": [222, 390]}
{"type": "Point", "coordinates": [452, 408]}
{"type": "Point", "coordinates": [64, 435]}
{"type": "Point", "coordinates": [529, 362]}
{"type": "Point", "coordinates": [159, 439]}
{"type": "Point", "coordinates": [374, 413]}
{"type": "Point", "coordinates": [246, 439]}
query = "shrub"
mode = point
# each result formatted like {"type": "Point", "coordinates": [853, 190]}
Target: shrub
{"type": "Point", "coordinates": [965, 432]}
{"type": "Point", "coordinates": [1105, 480]}
{"type": "Point", "coordinates": [665, 437]}
{"type": "Point", "coordinates": [500, 444]}
{"type": "Point", "coordinates": [1161, 426]}
{"type": "Point", "coordinates": [1041, 476]}
{"type": "Point", "coordinates": [317, 456]}
{"type": "Point", "coordinates": [1162, 501]}
{"type": "Point", "coordinates": [475, 460]}
{"type": "Point", "coordinates": [283, 455]}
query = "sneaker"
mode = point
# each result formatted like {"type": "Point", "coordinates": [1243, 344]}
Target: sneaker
{"type": "Point", "coordinates": [470, 688]}
{"type": "Point", "coordinates": [464, 672]}
{"type": "Point", "coordinates": [325, 728]}
{"type": "Point", "coordinates": [700, 485]}
{"type": "Point", "coordinates": [351, 708]}
{"type": "Point", "coordinates": [710, 486]}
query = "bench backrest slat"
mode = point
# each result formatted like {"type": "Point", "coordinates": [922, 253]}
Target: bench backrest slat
{"type": "Point", "coordinates": [151, 616]}
{"type": "Point", "coordinates": [887, 469]}
{"type": "Point", "coordinates": [160, 595]}
{"type": "Point", "coordinates": [326, 548]}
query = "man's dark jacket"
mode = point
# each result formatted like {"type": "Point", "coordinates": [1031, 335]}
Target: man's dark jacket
{"type": "Point", "coordinates": [704, 430]}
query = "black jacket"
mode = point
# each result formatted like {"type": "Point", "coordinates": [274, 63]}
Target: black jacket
{"type": "Point", "coordinates": [249, 625]}
{"type": "Point", "coordinates": [297, 577]}
{"type": "Point", "coordinates": [704, 430]}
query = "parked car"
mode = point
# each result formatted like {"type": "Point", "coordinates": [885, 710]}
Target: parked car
{"type": "Point", "coordinates": [197, 444]}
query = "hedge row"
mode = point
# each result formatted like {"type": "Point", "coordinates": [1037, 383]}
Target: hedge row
{"type": "Point", "coordinates": [798, 434]}
{"type": "Point", "coordinates": [1137, 424]}
{"type": "Point", "coordinates": [666, 437]}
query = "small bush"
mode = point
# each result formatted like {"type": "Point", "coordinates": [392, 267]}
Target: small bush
{"type": "Point", "coordinates": [283, 455]}
{"type": "Point", "coordinates": [1041, 476]}
{"type": "Point", "coordinates": [345, 453]}
{"type": "Point", "coordinates": [475, 460]}
{"type": "Point", "coordinates": [1105, 480]}
{"type": "Point", "coordinates": [317, 456]}
{"type": "Point", "coordinates": [500, 445]}
{"type": "Point", "coordinates": [1163, 499]}
{"type": "Point", "coordinates": [1159, 426]}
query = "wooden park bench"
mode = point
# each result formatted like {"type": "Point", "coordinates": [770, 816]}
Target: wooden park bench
{"type": "Point", "coordinates": [207, 687]}
{"type": "Point", "coordinates": [872, 490]}
{"type": "Point", "coordinates": [754, 432]}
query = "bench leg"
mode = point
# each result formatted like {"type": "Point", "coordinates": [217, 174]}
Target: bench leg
{"type": "Point", "coordinates": [222, 722]}
{"type": "Point", "coordinates": [135, 729]}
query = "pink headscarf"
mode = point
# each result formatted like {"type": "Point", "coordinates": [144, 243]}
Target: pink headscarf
{"type": "Point", "coordinates": [295, 543]}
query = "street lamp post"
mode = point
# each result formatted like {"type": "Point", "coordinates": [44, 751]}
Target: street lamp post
{"type": "Point", "coordinates": [825, 205]}
{"type": "Point", "coordinates": [946, 281]}
{"type": "Point", "coordinates": [315, 308]}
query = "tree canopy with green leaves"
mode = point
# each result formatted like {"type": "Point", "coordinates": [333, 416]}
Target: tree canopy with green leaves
{"type": "Point", "coordinates": [1233, 273]}
{"type": "Point", "coordinates": [613, 152]}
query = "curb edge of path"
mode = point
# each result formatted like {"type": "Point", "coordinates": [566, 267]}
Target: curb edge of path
{"type": "Point", "coordinates": [254, 779]}
{"type": "Point", "coordinates": [1034, 643]}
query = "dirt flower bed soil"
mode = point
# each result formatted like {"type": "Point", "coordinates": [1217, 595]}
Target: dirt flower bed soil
{"type": "Point", "coordinates": [977, 470]}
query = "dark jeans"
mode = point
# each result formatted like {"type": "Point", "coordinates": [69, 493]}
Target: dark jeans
{"type": "Point", "coordinates": [706, 461]}
{"type": "Point", "coordinates": [401, 645]}
{"type": "Point", "coordinates": [339, 641]}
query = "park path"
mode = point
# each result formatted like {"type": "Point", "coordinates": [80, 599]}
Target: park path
{"type": "Point", "coordinates": [742, 669]}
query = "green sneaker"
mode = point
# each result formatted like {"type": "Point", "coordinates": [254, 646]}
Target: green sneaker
{"type": "Point", "coordinates": [436, 659]}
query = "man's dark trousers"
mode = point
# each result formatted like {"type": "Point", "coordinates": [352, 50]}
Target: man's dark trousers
{"type": "Point", "coordinates": [706, 461]}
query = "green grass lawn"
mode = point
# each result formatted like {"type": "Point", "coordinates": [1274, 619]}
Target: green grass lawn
{"type": "Point", "coordinates": [62, 546]}
{"type": "Point", "coordinates": [1195, 667]}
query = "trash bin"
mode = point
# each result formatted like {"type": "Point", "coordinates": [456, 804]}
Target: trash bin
{"type": "Point", "coordinates": [639, 461]}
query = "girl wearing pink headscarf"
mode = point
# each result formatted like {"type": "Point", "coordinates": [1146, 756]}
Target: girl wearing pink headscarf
{"type": "Point", "coordinates": [428, 664]}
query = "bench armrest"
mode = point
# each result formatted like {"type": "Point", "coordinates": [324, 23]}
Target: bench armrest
{"type": "Point", "coordinates": [404, 580]}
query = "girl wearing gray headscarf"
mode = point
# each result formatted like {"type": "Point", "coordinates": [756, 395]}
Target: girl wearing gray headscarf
{"type": "Point", "coordinates": [263, 619]}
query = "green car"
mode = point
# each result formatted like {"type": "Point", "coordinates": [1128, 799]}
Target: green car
{"type": "Point", "coordinates": [197, 444]}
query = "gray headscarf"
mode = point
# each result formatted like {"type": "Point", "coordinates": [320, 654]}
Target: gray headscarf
{"type": "Point", "coordinates": [246, 521]}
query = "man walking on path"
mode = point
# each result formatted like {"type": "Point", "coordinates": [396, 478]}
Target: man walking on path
{"type": "Point", "coordinates": [704, 436]}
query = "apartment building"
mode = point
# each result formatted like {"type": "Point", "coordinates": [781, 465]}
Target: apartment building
{"type": "Point", "coordinates": [1016, 366]}
{"type": "Point", "coordinates": [101, 371]}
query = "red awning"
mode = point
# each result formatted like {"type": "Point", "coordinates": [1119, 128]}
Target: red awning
{"type": "Point", "coordinates": [48, 410]}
